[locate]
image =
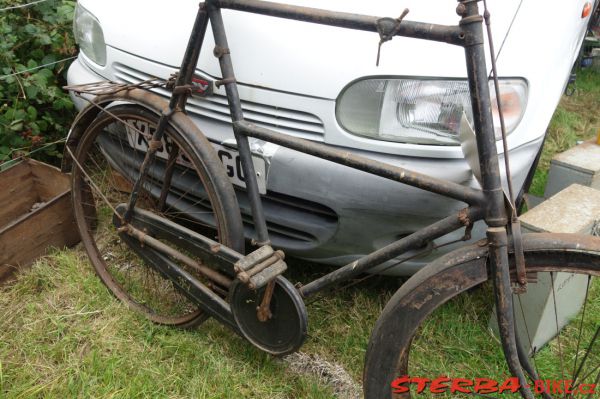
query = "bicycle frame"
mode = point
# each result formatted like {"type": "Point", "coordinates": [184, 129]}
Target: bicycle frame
{"type": "Point", "coordinates": [487, 204]}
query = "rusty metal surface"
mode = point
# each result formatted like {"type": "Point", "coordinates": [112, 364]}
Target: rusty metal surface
{"type": "Point", "coordinates": [498, 256]}
{"type": "Point", "coordinates": [516, 239]}
{"type": "Point", "coordinates": [263, 313]}
{"type": "Point", "coordinates": [152, 242]}
{"type": "Point", "coordinates": [247, 262]}
{"type": "Point", "coordinates": [432, 184]}
{"type": "Point", "coordinates": [387, 29]}
{"type": "Point", "coordinates": [205, 250]}
{"type": "Point", "coordinates": [235, 108]}
{"type": "Point", "coordinates": [109, 87]}
{"type": "Point", "coordinates": [260, 267]}
{"type": "Point", "coordinates": [420, 30]}
{"type": "Point", "coordinates": [412, 241]}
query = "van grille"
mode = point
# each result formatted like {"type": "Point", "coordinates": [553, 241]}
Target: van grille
{"type": "Point", "coordinates": [284, 120]}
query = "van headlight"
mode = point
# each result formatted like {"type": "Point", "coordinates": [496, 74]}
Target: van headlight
{"type": "Point", "coordinates": [89, 35]}
{"type": "Point", "coordinates": [421, 111]}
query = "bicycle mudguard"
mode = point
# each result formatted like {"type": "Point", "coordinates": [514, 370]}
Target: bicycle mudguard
{"type": "Point", "coordinates": [140, 97]}
{"type": "Point", "coordinates": [447, 277]}
{"type": "Point", "coordinates": [549, 249]}
{"type": "Point", "coordinates": [187, 128]}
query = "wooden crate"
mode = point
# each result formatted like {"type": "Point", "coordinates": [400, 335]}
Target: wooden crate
{"type": "Point", "coordinates": [35, 214]}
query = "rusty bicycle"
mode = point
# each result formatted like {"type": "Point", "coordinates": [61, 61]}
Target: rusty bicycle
{"type": "Point", "coordinates": [161, 223]}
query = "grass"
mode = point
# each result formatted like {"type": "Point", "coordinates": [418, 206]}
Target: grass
{"type": "Point", "coordinates": [576, 119]}
{"type": "Point", "coordinates": [63, 335]}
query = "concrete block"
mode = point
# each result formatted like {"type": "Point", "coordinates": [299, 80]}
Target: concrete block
{"type": "Point", "coordinates": [573, 210]}
{"type": "Point", "coordinates": [580, 165]}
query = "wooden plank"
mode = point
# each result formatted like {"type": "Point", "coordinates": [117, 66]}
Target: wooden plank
{"type": "Point", "coordinates": [48, 180]}
{"type": "Point", "coordinates": [17, 192]}
{"type": "Point", "coordinates": [21, 243]}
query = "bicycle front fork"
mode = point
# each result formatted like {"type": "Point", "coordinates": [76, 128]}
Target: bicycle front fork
{"type": "Point", "coordinates": [500, 274]}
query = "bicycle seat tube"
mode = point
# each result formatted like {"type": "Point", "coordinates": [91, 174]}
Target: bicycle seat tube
{"type": "Point", "coordinates": [221, 51]}
{"type": "Point", "coordinates": [176, 103]}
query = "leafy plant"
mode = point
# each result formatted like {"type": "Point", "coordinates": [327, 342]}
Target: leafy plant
{"type": "Point", "coordinates": [34, 110]}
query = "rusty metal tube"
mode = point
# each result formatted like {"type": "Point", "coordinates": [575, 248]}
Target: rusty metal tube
{"type": "Point", "coordinates": [414, 179]}
{"type": "Point", "coordinates": [167, 250]}
{"type": "Point", "coordinates": [419, 30]}
{"type": "Point", "coordinates": [413, 241]}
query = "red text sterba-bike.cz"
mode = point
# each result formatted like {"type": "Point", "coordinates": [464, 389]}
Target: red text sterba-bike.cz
{"type": "Point", "coordinates": [444, 384]}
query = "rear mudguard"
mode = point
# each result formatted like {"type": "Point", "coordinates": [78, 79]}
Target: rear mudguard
{"type": "Point", "coordinates": [449, 276]}
{"type": "Point", "coordinates": [180, 121]}
{"type": "Point", "coordinates": [140, 97]}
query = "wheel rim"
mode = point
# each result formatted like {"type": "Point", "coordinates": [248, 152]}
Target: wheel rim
{"type": "Point", "coordinates": [105, 167]}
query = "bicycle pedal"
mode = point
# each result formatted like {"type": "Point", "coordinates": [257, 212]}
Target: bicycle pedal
{"type": "Point", "coordinates": [259, 267]}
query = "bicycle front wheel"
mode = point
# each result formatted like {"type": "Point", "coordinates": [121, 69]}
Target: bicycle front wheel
{"type": "Point", "coordinates": [185, 183]}
{"type": "Point", "coordinates": [436, 338]}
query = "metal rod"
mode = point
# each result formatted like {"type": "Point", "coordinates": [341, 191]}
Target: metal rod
{"type": "Point", "coordinates": [482, 116]}
{"type": "Point", "coordinates": [446, 188]}
{"type": "Point", "coordinates": [419, 30]}
{"type": "Point", "coordinates": [188, 65]}
{"type": "Point", "coordinates": [498, 244]}
{"type": "Point", "coordinates": [168, 176]}
{"type": "Point", "coordinates": [167, 250]}
{"type": "Point", "coordinates": [189, 286]}
{"type": "Point", "coordinates": [500, 110]}
{"type": "Point", "coordinates": [233, 98]}
{"type": "Point", "coordinates": [413, 241]}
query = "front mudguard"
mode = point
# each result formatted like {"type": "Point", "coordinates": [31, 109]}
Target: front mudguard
{"type": "Point", "coordinates": [445, 278]}
{"type": "Point", "coordinates": [139, 97]}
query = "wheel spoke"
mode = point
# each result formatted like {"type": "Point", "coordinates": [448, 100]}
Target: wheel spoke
{"type": "Point", "coordinates": [585, 357]}
{"type": "Point", "coordinates": [596, 383]}
{"type": "Point", "coordinates": [558, 340]}
{"type": "Point", "coordinates": [575, 369]}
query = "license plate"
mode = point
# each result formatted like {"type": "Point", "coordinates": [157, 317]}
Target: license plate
{"type": "Point", "coordinates": [139, 134]}
{"type": "Point", "coordinates": [233, 166]}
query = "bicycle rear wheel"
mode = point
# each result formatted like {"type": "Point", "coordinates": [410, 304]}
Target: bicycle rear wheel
{"type": "Point", "coordinates": [185, 183]}
{"type": "Point", "coordinates": [439, 326]}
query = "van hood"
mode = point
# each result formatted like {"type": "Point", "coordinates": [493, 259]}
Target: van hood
{"type": "Point", "coordinates": [294, 56]}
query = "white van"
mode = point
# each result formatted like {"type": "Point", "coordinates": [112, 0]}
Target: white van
{"type": "Point", "coordinates": [321, 83]}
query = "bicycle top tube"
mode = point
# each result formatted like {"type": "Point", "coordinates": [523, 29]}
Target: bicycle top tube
{"type": "Point", "coordinates": [419, 30]}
